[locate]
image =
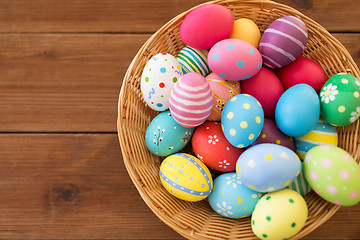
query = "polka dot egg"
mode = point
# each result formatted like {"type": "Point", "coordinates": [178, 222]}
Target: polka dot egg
{"type": "Point", "coordinates": [279, 215]}
{"type": "Point", "coordinates": [159, 76]}
{"type": "Point", "coordinates": [230, 198]}
{"type": "Point", "coordinates": [333, 174]}
{"type": "Point", "coordinates": [340, 100]}
{"type": "Point", "coordinates": [242, 120]}
{"type": "Point", "coordinates": [234, 59]}
{"type": "Point", "coordinates": [186, 177]}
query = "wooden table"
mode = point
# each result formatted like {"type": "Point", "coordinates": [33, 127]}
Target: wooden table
{"type": "Point", "coordinates": [61, 69]}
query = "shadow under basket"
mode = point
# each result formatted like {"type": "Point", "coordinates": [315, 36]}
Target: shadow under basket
{"type": "Point", "coordinates": [197, 220]}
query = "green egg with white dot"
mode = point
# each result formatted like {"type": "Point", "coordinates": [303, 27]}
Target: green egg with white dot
{"type": "Point", "coordinates": [340, 99]}
{"type": "Point", "coordinates": [242, 120]}
{"type": "Point", "coordinates": [333, 174]}
{"type": "Point", "coordinates": [279, 215]}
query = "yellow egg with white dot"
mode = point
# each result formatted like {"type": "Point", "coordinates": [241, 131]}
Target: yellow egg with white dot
{"type": "Point", "coordinates": [279, 215]}
{"type": "Point", "coordinates": [186, 177]}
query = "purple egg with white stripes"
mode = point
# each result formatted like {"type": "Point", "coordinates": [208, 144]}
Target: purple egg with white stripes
{"type": "Point", "coordinates": [283, 41]}
{"type": "Point", "coordinates": [191, 100]}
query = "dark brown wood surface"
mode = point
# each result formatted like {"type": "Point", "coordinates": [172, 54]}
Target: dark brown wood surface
{"type": "Point", "coordinates": [61, 69]}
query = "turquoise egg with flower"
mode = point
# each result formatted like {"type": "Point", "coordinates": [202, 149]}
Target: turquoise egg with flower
{"type": "Point", "coordinates": [230, 198]}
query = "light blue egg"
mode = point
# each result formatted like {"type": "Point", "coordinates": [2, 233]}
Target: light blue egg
{"type": "Point", "coordinates": [242, 120]}
{"type": "Point", "coordinates": [230, 198]}
{"type": "Point", "coordinates": [268, 167]}
{"type": "Point", "coordinates": [164, 136]}
{"type": "Point", "coordinates": [298, 110]}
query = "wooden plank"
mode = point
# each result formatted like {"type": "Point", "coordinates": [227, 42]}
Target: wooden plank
{"type": "Point", "coordinates": [71, 82]}
{"type": "Point", "coordinates": [142, 15]}
{"type": "Point", "coordinates": [75, 186]}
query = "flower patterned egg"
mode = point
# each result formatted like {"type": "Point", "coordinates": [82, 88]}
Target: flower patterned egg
{"type": "Point", "coordinates": [297, 110]}
{"type": "Point", "coordinates": [279, 215]}
{"type": "Point", "coordinates": [211, 147]}
{"type": "Point", "coordinates": [268, 167]}
{"type": "Point", "coordinates": [186, 177]}
{"type": "Point", "coordinates": [164, 136]}
{"type": "Point", "coordinates": [158, 78]}
{"type": "Point", "coordinates": [283, 41]}
{"type": "Point", "coordinates": [245, 29]}
{"type": "Point", "coordinates": [322, 133]}
{"type": "Point", "coordinates": [272, 134]}
{"type": "Point", "coordinates": [333, 174]}
{"type": "Point", "coordinates": [206, 25]}
{"type": "Point", "coordinates": [268, 94]}
{"type": "Point", "coordinates": [222, 91]}
{"type": "Point", "coordinates": [234, 59]}
{"type": "Point", "coordinates": [300, 185]}
{"type": "Point", "coordinates": [230, 198]}
{"type": "Point", "coordinates": [340, 99]}
{"type": "Point", "coordinates": [298, 72]}
{"type": "Point", "coordinates": [242, 120]}
{"type": "Point", "coordinates": [193, 60]}
{"type": "Point", "coordinates": [191, 100]}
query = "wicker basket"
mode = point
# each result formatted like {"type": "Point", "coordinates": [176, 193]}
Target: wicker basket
{"type": "Point", "coordinates": [198, 220]}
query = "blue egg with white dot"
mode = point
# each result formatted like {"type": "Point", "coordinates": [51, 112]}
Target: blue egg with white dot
{"type": "Point", "coordinates": [242, 120]}
{"type": "Point", "coordinates": [230, 198]}
{"type": "Point", "coordinates": [164, 136]}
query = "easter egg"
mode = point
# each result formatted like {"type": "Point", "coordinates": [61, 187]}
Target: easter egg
{"type": "Point", "coordinates": [186, 177]}
{"type": "Point", "coordinates": [272, 134]}
{"type": "Point", "coordinates": [211, 147]}
{"type": "Point", "coordinates": [191, 100]}
{"type": "Point", "coordinates": [268, 167]}
{"type": "Point", "coordinates": [245, 29]}
{"type": "Point", "coordinates": [333, 174]}
{"type": "Point", "coordinates": [302, 70]}
{"type": "Point", "coordinates": [230, 198]}
{"type": "Point", "coordinates": [300, 185]}
{"type": "Point", "coordinates": [242, 120]}
{"type": "Point", "coordinates": [193, 60]}
{"type": "Point", "coordinates": [164, 136]}
{"type": "Point", "coordinates": [298, 110]}
{"type": "Point", "coordinates": [279, 215]}
{"type": "Point", "coordinates": [222, 91]}
{"type": "Point", "coordinates": [266, 88]}
{"type": "Point", "coordinates": [322, 133]}
{"type": "Point", "coordinates": [234, 59]}
{"type": "Point", "coordinates": [340, 99]}
{"type": "Point", "coordinates": [158, 78]}
{"type": "Point", "coordinates": [206, 25]}
{"type": "Point", "coordinates": [283, 41]}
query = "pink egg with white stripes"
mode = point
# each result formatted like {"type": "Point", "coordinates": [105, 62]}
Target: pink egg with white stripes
{"type": "Point", "coordinates": [191, 100]}
{"type": "Point", "coordinates": [283, 41]}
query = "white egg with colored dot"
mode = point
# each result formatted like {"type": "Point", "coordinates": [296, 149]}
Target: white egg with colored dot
{"type": "Point", "coordinates": [242, 120]}
{"type": "Point", "coordinates": [279, 215]}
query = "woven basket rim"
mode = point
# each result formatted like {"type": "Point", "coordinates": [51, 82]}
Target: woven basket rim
{"type": "Point", "coordinates": [122, 111]}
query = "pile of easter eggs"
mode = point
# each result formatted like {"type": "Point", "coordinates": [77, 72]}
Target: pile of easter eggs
{"type": "Point", "coordinates": [260, 117]}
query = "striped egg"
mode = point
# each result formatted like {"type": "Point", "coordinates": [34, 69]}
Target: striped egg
{"type": "Point", "coordinates": [322, 133]}
{"type": "Point", "coordinates": [186, 177]}
{"type": "Point", "coordinates": [191, 100]}
{"type": "Point", "coordinates": [300, 184]}
{"type": "Point", "coordinates": [283, 41]}
{"type": "Point", "coordinates": [193, 60]}
{"type": "Point", "coordinates": [222, 91]}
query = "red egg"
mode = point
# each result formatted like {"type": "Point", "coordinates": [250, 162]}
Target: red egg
{"type": "Point", "coordinates": [211, 147]}
{"type": "Point", "coordinates": [302, 70]}
{"type": "Point", "coordinates": [266, 87]}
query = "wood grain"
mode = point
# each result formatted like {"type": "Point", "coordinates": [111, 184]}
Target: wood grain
{"type": "Point", "coordinates": [75, 186]}
{"type": "Point", "coordinates": [143, 16]}
{"type": "Point", "coordinates": [71, 82]}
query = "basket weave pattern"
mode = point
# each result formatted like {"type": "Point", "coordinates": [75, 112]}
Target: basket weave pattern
{"type": "Point", "coordinates": [198, 220]}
